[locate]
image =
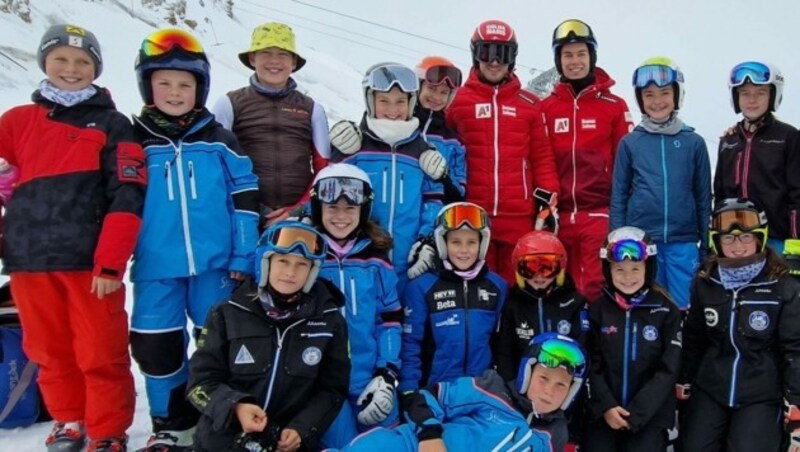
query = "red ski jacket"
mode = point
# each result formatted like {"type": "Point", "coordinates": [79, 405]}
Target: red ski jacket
{"type": "Point", "coordinates": [584, 134]}
{"type": "Point", "coordinates": [508, 150]}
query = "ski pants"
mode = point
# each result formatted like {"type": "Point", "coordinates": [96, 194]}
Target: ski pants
{"type": "Point", "coordinates": [712, 427]}
{"type": "Point", "coordinates": [677, 264]}
{"type": "Point", "coordinates": [583, 234]}
{"type": "Point", "coordinates": [159, 337]}
{"type": "Point", "coordinates": [506, 230]}
{"type": "Point", "coordinates": [346, 426]}
{"type": "Point", "coordinates": [81, 345]}
{"type": "Point", "coordinates": [602, 438]}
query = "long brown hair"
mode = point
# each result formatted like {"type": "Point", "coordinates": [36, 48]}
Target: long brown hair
{"type": "Point", "coordinates": [775, 266]}
{"type": "Point", "coordinates": [381, 239]}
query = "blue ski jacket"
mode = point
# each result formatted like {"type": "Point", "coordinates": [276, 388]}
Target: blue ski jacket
{"type": "Point", "coordinates": [201, 206]}
{"type": "Point", "coordinates": [449, 324]}
{"type": "Point", "coordinates": [662, 184]}
{"type": "Point", "coordinates": [406, 200]}
{"type": "Point", "coordinates": [372, 309]}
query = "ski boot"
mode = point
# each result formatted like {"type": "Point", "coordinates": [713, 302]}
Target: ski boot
{"type": "Point", "coordinates": [110, 444]}
{"type": "Point", "coordinates": [66, 437]}
{"type": "Point", "coordinates": [170, 441]}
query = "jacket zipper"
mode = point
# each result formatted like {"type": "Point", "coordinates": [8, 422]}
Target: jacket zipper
{"type": "Point", "coordinates": [496, 145]}
{"type": "Point", "coordinates": [731, 329]}
{"type": "Point", "coordinates": [383, 192]}
{"type": "Point", "coordinates": [192, 183]}
{"type": "Point", "coordinates": [574, 155]}
{"type": "Point", "coordinates": [402, 186]}
{"type": "Point", "coordinates": [276, 361]}
{"type": "Point", "coordinates": [353, 296]}
{"type": "Point", "coordinates": [666, 187]}
{"type": "Point", "coordinates": [524, 179]}
{"type": "Point", "coordinates": [634, 341]}
{"type": "Point", "coordinates": [746, 169]}
{"type": "Point", "coordinates": [393, 192]}
{"type": "Point", "coordinates": [541, 317]}
{"type": "Point", "coordinates": [187, 235]}
{"type": "Point", "coordinates": [737, 169]}
{"type": "Point", "coordinates": [466, 326]}
{"type": "Point", "coordinates": [168, 175]}
{"type": "Point", "coordinates": [625, 359]}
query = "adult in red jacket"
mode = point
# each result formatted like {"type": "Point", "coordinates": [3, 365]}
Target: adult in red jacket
{"type": "Point", "coordinates": [508, 150]}
{"type": "Point", "coordinates": [586, 123]}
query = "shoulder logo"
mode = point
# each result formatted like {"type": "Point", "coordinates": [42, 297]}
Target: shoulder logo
{"type": "Point", "coordinates": [243, 356]}
{"type": "Point", "coordinates": [561, 125]}
{"type": "Point", "coordinates": [650, 333]}
{"type": "Point", "coordinates": [759, 320]}
{"type": "Point", "coordinates": [483, 111]}
{"type": "Point", "coordinates": [312, 356]}
{"type": "Point", "coordinates": [564, 327]}
{"type": "Point", "coordinates": [712, 317]}
{"type": "Point", "coordinates": [566, 303]}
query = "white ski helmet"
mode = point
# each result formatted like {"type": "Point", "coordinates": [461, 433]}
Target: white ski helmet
{"type": "Point", "coordinates": [382, 77]}
{"type": "Point", "coordinates": [461, 215]}
{"type": "Point", "coordinates": [662, 72]}
{"type": "Point", "coordinates": [757, 73]}
{"type": "Point", "coordinates": [341, 180]}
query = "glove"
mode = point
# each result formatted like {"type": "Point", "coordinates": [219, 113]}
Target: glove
{"type": "Point", "coordinates": [683, 391]}
{"type": "Point", "coordinates": [346, 137]}
{"type": "Point", "coordinates": [377, 399]}
{"type": "Point", "coordinates": [421, 257]}
{"type": "Point", "coordinates": [433, 164]}
{"type": "Point", "coordinates": [794, 441]}
{"type": "Point", "coordinates": [546, 211]}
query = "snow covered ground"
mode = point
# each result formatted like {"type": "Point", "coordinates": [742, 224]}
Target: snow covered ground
{"type": "Point", "coordinates": [706, 38]}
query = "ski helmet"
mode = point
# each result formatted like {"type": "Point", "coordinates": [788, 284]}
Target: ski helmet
{"type": "Point", "coordinates": [290, 237]}
{"type": "Point", "coordinates": [172, 49]}
{"type": "Point", "coordinates": [756, 73]}
{"type": "Point", "coordinates": [494, 40]}
{"type": "Point", "coordinates": [571, 31]}
{"type": "Point", "coordinates": [553, 350]}
{"type": "Point", "coordinates": [631, 243]}
{"type": "Point", "coordinates": [382, 77]}
{"type": "Point", "coordinates": [539, 252]}
{"type": "Point", "coordinates": [461, 215]}
{"type": "Point", "coordinates": [662, 72]}
{"type": "Point", "coordinates": [740, 215]}
{"type": "Point", "coordinates": [436, 70]}
{"type": "Point", "coordinates": [341, 180]}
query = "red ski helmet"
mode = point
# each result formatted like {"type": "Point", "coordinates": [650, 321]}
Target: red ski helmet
{"type": "Point", "coordinates": [494, 40]}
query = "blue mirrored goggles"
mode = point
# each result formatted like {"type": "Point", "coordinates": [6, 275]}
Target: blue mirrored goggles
{"type": "Point", "coordinates": [384, 78]}
{"type": "Point", "coordinates": [355, 191]}
{"type": "Point", "coordinates": [661, 76]}
{"type": "Point", "coordinates": [634, 250]}
{"type": "Point", "coordinates": [752, 71]}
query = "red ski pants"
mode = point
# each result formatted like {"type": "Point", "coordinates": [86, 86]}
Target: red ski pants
{"type": "Point", "coordinates": [81, 345]}
{"type": "Point", "coordinates": [583, 234]}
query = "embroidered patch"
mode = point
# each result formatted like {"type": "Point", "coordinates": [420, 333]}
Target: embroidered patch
{"type": "Point", "coordinates": [131, 163]}
{"type": "Point", "coordinates": [759, 320]}
{"type": "Point", "coordinates": [509, 111]}
{"type": "Point", "coordinates": [609, 330]}
{"type": "Point", "coordinates": [650, 333]}
{"type": "Point", "coordinates": [564, 327]}
{"type": "Point", "coordinates": [312, 356]}
{"type": "Point", "coordinates": [712, 317]}
{"type": "Point", "coordinates": [243, 356]}
{"type": "Point", "coordinates": [483, 111]}
{"type": "Point", "coordinates": [561, 125]}
{"type": "Point", "coordinates": [588, 124]}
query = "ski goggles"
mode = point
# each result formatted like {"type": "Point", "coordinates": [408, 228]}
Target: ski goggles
{"type": "Point", "coordinates": [438, 75]}
{"type": "Point", "coordinates": [295, 238]}
{"type": "Point", "coordinates": [743, 220]}
{"type": "Point", "coordinates": [752, 71]}
{"type": "Point", "coordinates": [555, 353]}
{"type": "Point", "coordinates": [544, 265]}
{"type": "Point", "coordinates": [458, 215]}
{"type": "Point", "coordinates": [503, 53]}
{"type": "Point", "coordinates": [163, 41]}
{"type": "Point", "coordinates": [570, 29]}
{"type": "Point", "coordinates": [354, 191]}
{"type": "Point", "coordinates": [661, 76]}
{"type": "Point", "coordinates": [385, 77]}
{"type": "Point", "coordinates": [634, 250]}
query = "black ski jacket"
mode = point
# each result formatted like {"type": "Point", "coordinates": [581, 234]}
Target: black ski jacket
{"type": "Point", "coordinates": [526, 315]}
{"type": "Point", "coordinates": [298, 369]}
{"type": "Point", "coordinates": [765, 168]}
{"type": "Point", "coordinates": [635, 359]}
{"type": "Point", "coordinates": [743, 345]}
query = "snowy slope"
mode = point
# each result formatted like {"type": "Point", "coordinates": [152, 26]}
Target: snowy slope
{"type": "Point", "coordinates": [707, 38]}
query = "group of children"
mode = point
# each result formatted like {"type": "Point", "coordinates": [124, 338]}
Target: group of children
{"type": "Point", "coordinates": [379, 306]}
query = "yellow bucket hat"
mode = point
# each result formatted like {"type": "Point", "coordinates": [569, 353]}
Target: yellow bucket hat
{"type": "Point", "coordinates": [272, 34]}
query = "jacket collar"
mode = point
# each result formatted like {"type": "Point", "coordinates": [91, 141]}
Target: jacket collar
{"type": "Point", "coordinates": [602, 84]}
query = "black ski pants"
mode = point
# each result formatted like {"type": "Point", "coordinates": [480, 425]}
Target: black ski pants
{"type": "Point", "coordinates": [602, 438]}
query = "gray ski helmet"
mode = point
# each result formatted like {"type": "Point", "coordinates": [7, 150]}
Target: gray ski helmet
{"type": "Point", "coordinates": [73, 36]}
